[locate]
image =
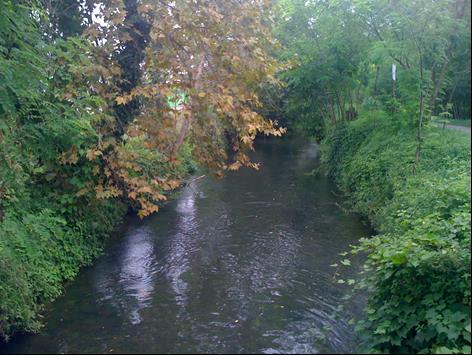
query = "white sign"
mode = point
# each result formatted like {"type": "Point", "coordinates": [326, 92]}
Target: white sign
{"type": "Point", "coordinates": [394, 72]}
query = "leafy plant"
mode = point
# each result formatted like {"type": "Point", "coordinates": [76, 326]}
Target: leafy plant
{"type": "Point", "coordinates": [417, 271]}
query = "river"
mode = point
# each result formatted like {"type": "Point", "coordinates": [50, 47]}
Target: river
{"type": "Point", "coordinates": [236, 265]}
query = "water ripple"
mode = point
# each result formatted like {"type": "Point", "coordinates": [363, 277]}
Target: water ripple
{"type": "Point", "coordinates": [238, 265]}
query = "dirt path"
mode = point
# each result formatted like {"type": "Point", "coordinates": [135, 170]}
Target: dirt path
{"type": "Point", "coordinates": [456, 128]}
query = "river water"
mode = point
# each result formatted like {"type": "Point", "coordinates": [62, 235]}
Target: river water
{"type": "Point", "coordinates": [237, 265]}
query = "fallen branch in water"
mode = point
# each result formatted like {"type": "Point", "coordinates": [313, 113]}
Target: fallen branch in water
{"type": "Point", "coordinates": [194, 179]}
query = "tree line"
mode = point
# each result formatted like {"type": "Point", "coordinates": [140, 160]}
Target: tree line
{"type": "Point", "coordinates": [344, 53]}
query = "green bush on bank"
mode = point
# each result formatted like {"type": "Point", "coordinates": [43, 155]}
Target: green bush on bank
{"type": "Point", "coordinates": [47, 230]}
{"type": "Point", "coordinates": [39, 250]}
{"type": "Point", "coordinates": [417, 271]}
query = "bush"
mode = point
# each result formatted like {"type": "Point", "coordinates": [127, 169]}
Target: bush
{"type": "Point", "coordinates": [41, 250]}
{"type": "Point", "coordinates": [417, 270]}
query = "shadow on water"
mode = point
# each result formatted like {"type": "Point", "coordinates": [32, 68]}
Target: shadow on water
{"type": "Point", "coordinates": [237, 265]}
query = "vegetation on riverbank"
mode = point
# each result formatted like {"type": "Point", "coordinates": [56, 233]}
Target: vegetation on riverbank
{"type": "Point", "coordinates": [417, 273]}
{"type": "Point", "coordinates": [57, 206]}
{"type": "Point", "coordinates": [106, 106]}
{"type": "Point", "coordinates": [369, 80]}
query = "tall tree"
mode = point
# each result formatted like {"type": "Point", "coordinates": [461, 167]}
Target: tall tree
{"type": "Point", "coordinates": [130, 57]}
{"type": "Point", "coordinates": [213, 54]}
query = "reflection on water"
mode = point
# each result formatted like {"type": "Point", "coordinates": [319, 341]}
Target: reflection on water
{"type": "Point", "coordinates": [129, 286]}
{"type": "Point", "coordinates": [181, 245]}
{"type": "Point", "coordinates": [238, 265]}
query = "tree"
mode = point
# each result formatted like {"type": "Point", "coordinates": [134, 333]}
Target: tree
{"type": "Point", "coordinates": [345, 51]}
{"type": "Point", "coordinates": [329, 42]}
{"type": "Point", "coordinates": [214, 54]}
{"type": "Point", "coordinates": [130, 57]}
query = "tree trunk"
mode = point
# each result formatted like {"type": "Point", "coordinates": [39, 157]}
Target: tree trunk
{"type": "Point", "coordinates": [437, 87]}
{"type": "Point", "coordinates": [420, 116]}
{"type": "Point", "coordinates": [451, 95]}
{"type": "Point", "coordinates": [420, 124]}
{"type": "Point", "coordinates": [340, 106]}
{"type": "Point", "coordinates": [188, 122]}
{"type": "Point", "coordinates": [331, 106]}
{"type": "Point", "coordinates": [130, 59]}
{"type": "Point", "coordinates": [358, 102]}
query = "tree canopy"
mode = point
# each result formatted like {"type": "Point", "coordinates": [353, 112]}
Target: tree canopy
{"type": "Point", "coordinates": [345, 52]}
{"type": "Point", "coordinates": [99, 107]}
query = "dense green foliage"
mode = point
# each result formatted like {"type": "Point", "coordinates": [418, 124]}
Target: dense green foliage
{"type": "Point", "coordinates": [417, 273]}
{"type": "Point", "coordinates": [343, 51]}
{"type": "Point", "coordinates": [39, 250]}
{"type": "Point", "coordinates": [48, 230]}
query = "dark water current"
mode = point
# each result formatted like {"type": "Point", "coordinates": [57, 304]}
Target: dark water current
{"type": "Point", "coordinates": [237, 265]}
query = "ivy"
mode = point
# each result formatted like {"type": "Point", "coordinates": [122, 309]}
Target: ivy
{"type": "Point", "coordinates": [417, 270]}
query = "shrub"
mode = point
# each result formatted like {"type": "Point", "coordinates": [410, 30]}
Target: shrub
{"type": "Point", "coordinates": [38, 252]}
{"type": "Point", "coordinates": [417, 269]}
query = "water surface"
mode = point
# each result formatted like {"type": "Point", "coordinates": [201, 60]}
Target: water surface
{"type": "Point", "coordinates": [237, 265]}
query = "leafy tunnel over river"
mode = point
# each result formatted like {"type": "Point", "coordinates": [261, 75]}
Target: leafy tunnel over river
{"type": "Point", "coordinates": [237, 265]}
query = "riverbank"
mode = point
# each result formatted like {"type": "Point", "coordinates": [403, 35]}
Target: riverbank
{"type": "Point", "coordinates": [417, 273]}
{"type": "Point", "coordinates": [233, 265]}
{"type": "Point", "coordinates": [69, 168]}
{"type": "Point", "coordinates": [41, 249]}
{"type": "Point", "coordinates": [45, 243]}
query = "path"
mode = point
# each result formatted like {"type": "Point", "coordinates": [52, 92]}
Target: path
{"type": "Point", "coordinates": [456, 128]}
